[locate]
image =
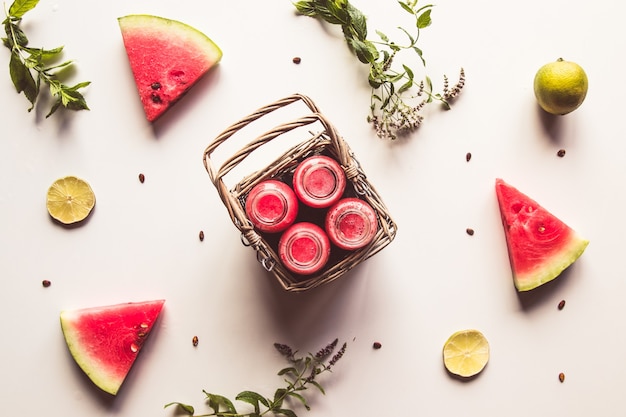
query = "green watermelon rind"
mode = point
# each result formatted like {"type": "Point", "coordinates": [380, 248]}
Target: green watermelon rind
{"type": "Point", "coordinates": [87, 360]}
{"type": "Point", "coordinates": [82, 357]}
{"type": "Point", "coordinates": [158, 24]}
{"type": "Point", "coordinates": [552, 268]}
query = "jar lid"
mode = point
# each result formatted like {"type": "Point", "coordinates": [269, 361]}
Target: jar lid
{"type": "Point", "coordinates": [271, 206]}
{"type": "Point", "coordinates": [351, 223]}
{"type": "Point", "coordinates": [304, 248]}
{"type": "Point", "coordinates": [319, 181]}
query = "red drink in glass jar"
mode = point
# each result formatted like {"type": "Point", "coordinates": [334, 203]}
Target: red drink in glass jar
{"type": "Point", "coordinates": [351, 223]}
{"type": "Point", "coordinates": [271, 206]}
{"type": "Point", "coordinates": [304, 248]}
{"type": "Point", "coordinates": [319, 181]}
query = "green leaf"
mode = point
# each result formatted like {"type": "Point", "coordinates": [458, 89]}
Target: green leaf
{"type": "Point", "coordinates": [365, 51]}
{"type": "Point", "coordinates": [55, 87]}
{"type": "Point", "coordinates": [55, 106]}
{"type": "Point", "coordinates": [20, 7]}
{"type": "Point", "coordinates": [411, 38]}
{"type": "Point", "coordinates": [424, 20]}
{"type": "Point", "coordinates": [18, 35]}
{"type": "Point", "coordinates": [288, 371]}
{"type": "Point", "coordinates": [308, 360]}
{"type": "Point", "coordinates": [374, 83]}
{"type": "Point", "coordinates": [338, 12]}
{"type": "Point", "coordinates": [382, 36]}
{"type": "Point", "coordinates": [391, 92]}
{"type": "Point", "coordinates": [406, 7]}
{"type": "Point", "coordinates": [279, 396]}
{"type": "Point", "coordinates": [429, 88]}
{"type": "Point", "coordinates": [408, 71]}
{"type": "Point", "coordinates": [22, 78]}
{"type": "Point", "coordinates": [60, 66]}
{"type": "Point", "coordinates": [306, 8]}
{"type": "Point", "coordinates": [79, 85]}
{"type": "Point", "coordinates": [386, 56]}
{"type": "Point", "coordinates": [185, 407]}
{"type": "Point", "coordinates": [300, 398]}
{"type": "Point", "coordinates": [329, 12]}
{"type": "Point", "coordinates": [303, 6]}
{"type": "Point", "coordinates": [45, 54]}
{"type": "Point", "coordinates": [66, 98]}
{"type": "Point", "coordinates": [33, 61]}
{"type": "Point", "coordinates": [404, 87]}
{"type": "Point", "coordinates": [314, 382]}
{"type": "Point", "coordinates": [358, 22]}
{"type": "Point", "coordinates": [253, 398]}
{"type": "Point", "coordinates": [285, 412]}
{"type": "Point", "coordinates": [73, 100]}
{"type": "Point", "coordinates": [418, 51]}
{"type": "Point", "coordinates": [216, 402]}
{"type": "Point", "coordinates": [427, 6]}
{"type": "Point", "coordinates": [396, 78]}
{"type": "Point", "coordinates": [429, 84]}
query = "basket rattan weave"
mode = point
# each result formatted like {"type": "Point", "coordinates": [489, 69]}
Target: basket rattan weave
{"type": "Point", "coordinates": [328, 142]}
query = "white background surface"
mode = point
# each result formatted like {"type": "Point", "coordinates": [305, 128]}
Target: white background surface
{"type": "Point", "coordinates": [141, 241]}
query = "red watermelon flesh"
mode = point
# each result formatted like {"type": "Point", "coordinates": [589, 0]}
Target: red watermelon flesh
{"type": "Point", "coordinates": [166, 57]}
{"type": "Point", "coordinates": [540, 246]}
{"type": "Point", "coordinates": [105, 341]}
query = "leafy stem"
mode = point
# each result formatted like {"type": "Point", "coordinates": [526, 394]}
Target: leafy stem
{"type": "Point", "coordinates": [30, 67]}
{"type": "Point", "coordinates": [397, 97]}
{"type": "Point", "coordinates": [301, 374]}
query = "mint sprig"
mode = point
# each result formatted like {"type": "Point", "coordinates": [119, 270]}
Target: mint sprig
{"type": "Point", "coordinates": [30, 67]}
{"type": "Point", "coordinates": [301, 374]}
{"type": "Point", "coordinates": [397, 97]}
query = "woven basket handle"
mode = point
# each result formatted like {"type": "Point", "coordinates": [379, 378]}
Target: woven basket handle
{"type": "Point", "coordinates": [217, 174]}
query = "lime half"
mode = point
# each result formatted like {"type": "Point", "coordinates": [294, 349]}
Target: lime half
{"type": "Point", "coordinates": [466, 353]}
{"type": "Point", "coordinates": [70, 200]}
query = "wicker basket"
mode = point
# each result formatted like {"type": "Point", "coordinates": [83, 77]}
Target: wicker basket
{"type": "Point", "coordinates": [326, 142]}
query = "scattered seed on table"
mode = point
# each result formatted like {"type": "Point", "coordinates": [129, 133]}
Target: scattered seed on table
{"type": "Point", "coordinates": [561, 377]}
{"type": "Point", "coordinates": [297, 60]}
{"type": "Point", "coordinates": [561, 153]}
{"type": "Point", "coordinates": [195, 340]}
{"type": "Point", "coordinates": [377, 345]}
{"type": "Point", "coordinates": [46, 283]}
{"type": "Point", "coordinates": [142, 178]}
{"type": "Point", "coordinates": [561, 304]}
{"type": "Point", "coordinates": [468, 156]}
{"type": "Point", "coordinates": [201, 235]}
{"type": "Point", "coordinates": [469, 231]}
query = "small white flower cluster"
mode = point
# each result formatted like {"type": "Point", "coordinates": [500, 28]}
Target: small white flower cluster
{"type": "Point", "coordinates": [398, 118]}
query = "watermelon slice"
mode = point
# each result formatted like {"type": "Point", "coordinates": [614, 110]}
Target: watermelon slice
{"type": "Point", "coordinates": [166, 57]}
{"type": "Point", "coordinates": [540, 245]}
{"type": "Point", "coordinates": [105, 341]}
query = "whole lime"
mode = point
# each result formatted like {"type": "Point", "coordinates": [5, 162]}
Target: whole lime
{"type": "Point", "coordinates": [560, 86]}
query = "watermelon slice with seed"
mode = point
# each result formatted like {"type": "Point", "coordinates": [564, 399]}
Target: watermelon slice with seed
{"type": "Point", "coordinates": [540, 245]}
{"type": "Point", "coordinates": [166, 57]}
{"type": "Point", "coordinates": [105, 341]}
